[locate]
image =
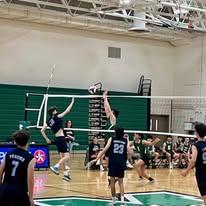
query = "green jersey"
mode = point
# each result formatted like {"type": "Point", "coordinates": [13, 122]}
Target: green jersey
{"type": "Point", "coordinates": [109, 126]}
{"type": "Point", "coordinates": [168, 147]}
{"type": "Point", "coordinates": [141, 148]}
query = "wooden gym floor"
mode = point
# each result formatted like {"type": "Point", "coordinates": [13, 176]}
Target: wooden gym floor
{"type": "Point", "coordinates": [94, 183]}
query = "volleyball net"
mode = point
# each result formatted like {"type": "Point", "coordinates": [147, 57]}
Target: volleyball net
{"type": "Point", "coordinates": [154, 115]}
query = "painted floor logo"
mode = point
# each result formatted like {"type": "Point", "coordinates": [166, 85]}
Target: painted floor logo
{"type": "Point", "coordinates": [133, 199]}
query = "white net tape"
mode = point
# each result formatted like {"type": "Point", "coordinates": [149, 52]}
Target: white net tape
{"type": "Point", "coordinates": [181, 112]}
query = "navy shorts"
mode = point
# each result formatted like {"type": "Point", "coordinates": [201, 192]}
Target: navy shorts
{"type": "Point", "coordinates": [201, 185]}
{"type": "Point", "coordinates": [116, 168]}
{"type": "Point", "coordinates": [116, 172]}
{"type": "Point", "coordinates": [61, 144]}
{"type": "Point", "coordinates": [107, 154]}
{"type": "Point", "coordinates": [11, 195]}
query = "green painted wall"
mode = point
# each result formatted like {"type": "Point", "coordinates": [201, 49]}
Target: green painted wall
{"type": "Point", "coordinates": [133, 112]}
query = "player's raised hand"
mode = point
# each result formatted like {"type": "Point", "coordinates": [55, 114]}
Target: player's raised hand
{"type": "Point", "coordinates": [105, 94]}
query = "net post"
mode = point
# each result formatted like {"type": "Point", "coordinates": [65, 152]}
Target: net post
{"type": "Point", "coordinates": [26, 106]}
{"type": "Point", "coordinates": [40, 110]}
{"type": "Point", "coordinates": [45, 108]}
{"type": "Point", "coordinates": [148, 113]}
{"type": "Point", "coordinates": [171, 115]}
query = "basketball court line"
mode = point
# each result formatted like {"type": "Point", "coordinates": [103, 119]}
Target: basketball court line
{"type": "Point", "coordinates": [77, 191]}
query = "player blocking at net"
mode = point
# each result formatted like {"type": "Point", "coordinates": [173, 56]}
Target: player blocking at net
{"type": "Point", "coordinates": [118, 146]}
{"type": "Point", "coordinates": [55, 122]}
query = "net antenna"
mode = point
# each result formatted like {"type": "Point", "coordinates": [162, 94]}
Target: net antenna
{"type": "Point", "coordinates": [199, 112]}
{"type": "Point", "coordinates": [50, 78]}
{"type": "Point", "coordinates": [45, 100]}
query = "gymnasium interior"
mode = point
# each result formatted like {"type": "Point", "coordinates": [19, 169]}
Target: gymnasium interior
{"type": "Point", "coordinates": [150, 55]}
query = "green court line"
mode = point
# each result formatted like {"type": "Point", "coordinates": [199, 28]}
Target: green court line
{"type": "Point", "coordinates": [166, 192]}
{"type": "Point", "coordinates": [143, 198]}
{"type": "Point", "coordinates": [165, 198]}
{"type": "Point", "coordinates": [41, 203]}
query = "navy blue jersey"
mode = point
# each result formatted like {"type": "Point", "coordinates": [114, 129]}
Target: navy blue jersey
{"type": "Point", "coordinates": [68, 135]}
{"type": "Point", "coordinates": [17, 162]}
{"type": "Point", "coordinates": [118, 153]}
{"type": "Point", "coordinates": [200, 164]}
{"type": "Point", "coordinates": [55, 123]}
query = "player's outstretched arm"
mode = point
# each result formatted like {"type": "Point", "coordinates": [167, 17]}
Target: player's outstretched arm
{"type": "Point", "coordinates": [108, 110]}
{"type": "Point", "coordinates": [2, 168]}
{"type": "Point", "coordinates": [30, 180]}
{"type": "Point", "coordinates": [191, 162]}
{"type": "Point", "coordinates": [67, 110]}
{"type": "Point", "coordinates": [154, 142]}
{"type": "Point", "coordinates": [43, 132]}
{"type": "Point", "coordinates": [104, 150]}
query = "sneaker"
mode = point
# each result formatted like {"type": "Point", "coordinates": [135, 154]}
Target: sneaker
{"type": "Point", "coordinates": [112, 204]}
{"type": "Point", "coordinates": [67, 167]}
{"type": "Point", "coordinates": [140, 178]}
{"type": "Point", "coordinates": [151, 180]}
{"type": "Point", "coordinates": [129, 166]}
{"type": "Point", "coordinates": [88, 166]}
{"type": "Point", "coordinates": [109, 182]}
{"type": "Point", "coordinates": [67, 178]}
{"type": "Point", "coordinates": [101, 168]}
{"type": "Point", "coordinates": [98, 162]}
{"type": "Point", "coordinates": [55, 170]}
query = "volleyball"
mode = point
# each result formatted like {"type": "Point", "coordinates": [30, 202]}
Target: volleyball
{"type": "Point", "coordinates": [92, 89]}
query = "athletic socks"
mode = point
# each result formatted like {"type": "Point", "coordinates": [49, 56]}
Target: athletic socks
{"type": "Point", "coordinates": [66, 176]}
{"type": "Point", "coordinates": [122, 199]}
{"type": "Point", "coordinates": [113, 200]}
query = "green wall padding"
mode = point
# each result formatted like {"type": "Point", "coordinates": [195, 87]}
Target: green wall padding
{"type": "Point", "coordinates": [133, 112]}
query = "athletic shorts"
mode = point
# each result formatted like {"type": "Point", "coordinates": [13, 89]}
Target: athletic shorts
{"type": "Point", "coordinates": [106, 154]}
{"type": "Point", "coordinates": [145, 159]}
{"type": "Point", "coordinates": [165, 154]}
{"type": "Point", "coordinates": [201, 185]}
{"type": "Point", "coordinates": [136, 156]}
{"type": "Point", "coordinates": [116, 172]}
{"type": "Point", "coordinates": [12, 195]}
{"type": "Point", "coordinates": [61, 144]}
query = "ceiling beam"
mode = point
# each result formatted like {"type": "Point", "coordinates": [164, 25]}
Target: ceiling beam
{"type": "Point", "coordinates": [66, 4]}
{"type": "Point", "coordinates": [190, 8]}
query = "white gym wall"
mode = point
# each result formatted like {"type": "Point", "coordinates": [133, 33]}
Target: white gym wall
{"type": "Point", "coordinates": [28, 51]}
{"type": "Point", "coordinates": [188, 69]}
